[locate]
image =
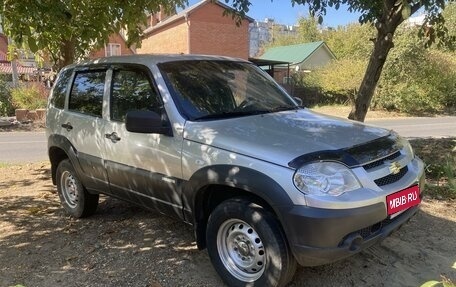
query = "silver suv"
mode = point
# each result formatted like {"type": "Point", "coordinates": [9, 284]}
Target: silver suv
{"type": "Point", "coordinates": [215, 142]}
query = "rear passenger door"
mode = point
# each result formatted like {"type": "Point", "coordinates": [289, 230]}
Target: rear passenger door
{"type": "Point", "coordinates": [142, 168]}
{"type": "Point", "coordinates": [81, 124]}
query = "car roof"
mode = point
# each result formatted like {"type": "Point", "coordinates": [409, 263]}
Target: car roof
{"type": "Point", "coordinates": [152, 59]}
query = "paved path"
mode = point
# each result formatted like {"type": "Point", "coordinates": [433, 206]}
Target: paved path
{"type": "Point", "coordinates": [419, 127]}
{"type": "Point", "coordinates": [22, 147]}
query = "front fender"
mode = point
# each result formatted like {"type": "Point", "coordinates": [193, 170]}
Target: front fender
{"type": "Point", "coordinates": [243, 180]}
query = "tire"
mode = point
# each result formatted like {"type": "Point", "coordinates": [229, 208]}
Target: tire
{"type": "Point", "coordinates": [75, 199]}
{"type": "Point", "coordinates": [247, 246]}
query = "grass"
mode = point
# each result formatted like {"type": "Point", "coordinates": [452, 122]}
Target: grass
{"type": "Point", "coordinates": [4, 165]}
{"type": "Point", "coordinates": [439, 155]}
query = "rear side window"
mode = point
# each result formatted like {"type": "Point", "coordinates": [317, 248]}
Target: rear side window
{"type": "Point", "coordinates": [132, 91]}
{"type": "Point", "coordinates": [60, 89]}
{"type": "Point", "coordinates": [87, 93]}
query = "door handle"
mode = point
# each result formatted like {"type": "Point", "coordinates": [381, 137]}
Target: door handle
{"type": "Point", "coordinates": [113, 137]}
{"type": "Point", "coordinates": [67, 126]}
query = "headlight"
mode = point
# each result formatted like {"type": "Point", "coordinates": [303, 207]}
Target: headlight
{"type": "Point", "coordinates": [325, 178]}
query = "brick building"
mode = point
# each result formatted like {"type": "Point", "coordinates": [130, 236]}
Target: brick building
{"type": "Point", "coordinates": [199, 29]}
{"type": "Point", "coordinates": [3, 47]}
{"type": "Point", "coordinates": [116, 46]}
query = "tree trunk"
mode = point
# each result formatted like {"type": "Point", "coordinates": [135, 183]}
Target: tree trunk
{"type": "Point", "coordinates": [382, 46]}
{"type": "Point", "coordinates": [386, 26]}
{"type": "Point", "coordinates": [67, 53]}
{"type": "Point", "coordinates": [14, 72]}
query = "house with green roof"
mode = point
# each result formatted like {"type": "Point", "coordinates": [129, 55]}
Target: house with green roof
{"type": "Point", "coordinates": [307, 56]}
{"type": "Point", "coordinates": [301, 57]}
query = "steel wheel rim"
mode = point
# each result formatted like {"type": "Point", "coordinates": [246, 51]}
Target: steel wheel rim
{"type": "Point", "coordinates": [241, 250]}
{"type": "Point", "coordinates": [70, 190]}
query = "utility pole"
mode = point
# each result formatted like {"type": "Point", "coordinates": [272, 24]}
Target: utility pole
{"type": "Point", "coordinates": [13, 65]}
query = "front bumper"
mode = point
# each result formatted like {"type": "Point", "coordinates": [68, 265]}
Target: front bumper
{"type": "Point", "coordinates": [320, 236]}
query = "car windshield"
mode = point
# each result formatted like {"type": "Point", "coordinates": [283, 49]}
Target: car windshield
{"type": "Point", "coordinates": [208, 89]}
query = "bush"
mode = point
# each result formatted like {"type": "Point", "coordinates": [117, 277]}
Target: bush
{"type": "Point", "coordinates": [29, 96]}
{"type": "Point", "coordinates": [337, 82]}
{"type": "Point", "coordinates": [416, 80]}
{"type": "Point", "coordinates": [439, 155]}
{"type": "Point", "coordinates": [6, 104]}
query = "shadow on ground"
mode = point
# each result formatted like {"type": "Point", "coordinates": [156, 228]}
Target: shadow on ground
{"type": "Point", "coordinates": [123, 245]}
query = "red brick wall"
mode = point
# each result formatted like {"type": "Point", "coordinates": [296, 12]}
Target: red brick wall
{"type": "Point", "coordinates": [215, 34]}
{"type": "Point", "coordinates": [171, 39]}
{"type": "Point", "coordinates": [3, 45]}
{"type": "Point", "coordinates": [116, 39]}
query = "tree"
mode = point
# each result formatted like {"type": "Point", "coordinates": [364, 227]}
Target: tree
{"type": "Point", "coordinates": [386, 15]}
{"type": "Point", "coordinates": [351, 41]}
{"type": "Point", "coordinates": [341, 76]}
{"type": "Point", "coordinates": [307, 31]}
{"type": "Point", "coordinates": [433, 85]}
{"type": "Point", "coordinates": [67, 29]}
{"type": "Point", "coordinates": [449, 14]}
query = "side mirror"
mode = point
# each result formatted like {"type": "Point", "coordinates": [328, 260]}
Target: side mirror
{"type": "Point", "coordinates": [146, 122]}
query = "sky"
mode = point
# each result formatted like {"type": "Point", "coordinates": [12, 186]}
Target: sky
{"type": "Point", "coordinates": [283, 13]}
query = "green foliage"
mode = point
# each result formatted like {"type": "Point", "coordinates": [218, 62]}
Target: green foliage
{"type": "Point", "coordinates": [417, 80]}
{"type": "Point", "coordinates": [6, 104]}
{"type": "Point", "coordinates": [439, 155]}
{"type": "Point", "coordinates": [32, 96]}
{"type": "Point", "coordinates": [444, 283]}
{"type": "Point", "coordinates": [308, 31]}
{"type": "Point", "coordinates": [432, 283]}
{"type": "Point", "coordinates": [339, 78]}
{"type": "Point", "coordinates": [352, 41]}
{"type": "Point", "coordinates": [449, 169]}
{"type": "Point", "coordinates": [449, 14]}
{"type": "Point", "coordinates": [68, 30]}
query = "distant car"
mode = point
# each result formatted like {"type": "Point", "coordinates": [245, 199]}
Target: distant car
{"type": "Point", "coordinates": [215, 142]}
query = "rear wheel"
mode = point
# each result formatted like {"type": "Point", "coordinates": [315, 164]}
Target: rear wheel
{"type": "Point", "coordinates": [73, 196]}
{"type": "Point", "coordinates": [247, 246]}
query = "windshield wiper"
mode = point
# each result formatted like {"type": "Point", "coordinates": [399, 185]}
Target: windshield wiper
{"type": "Point", "coordinates": [283, 108]}
{"type": "Point", "coordinates": [226, 115]}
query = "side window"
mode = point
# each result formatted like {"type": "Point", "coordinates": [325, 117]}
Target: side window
{"type": "Point", "coordinates": [60, 89]}
{"type": "Point", "coordinates": [87, 93]}
{"type": "Point", "coordinates": [131, 90]}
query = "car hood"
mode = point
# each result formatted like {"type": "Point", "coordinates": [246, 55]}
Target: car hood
{"type": "Point", "coordinates": [281, 137]}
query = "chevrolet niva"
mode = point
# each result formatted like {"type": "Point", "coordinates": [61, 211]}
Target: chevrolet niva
{"type": "Point", "coordinates": [215, 142]}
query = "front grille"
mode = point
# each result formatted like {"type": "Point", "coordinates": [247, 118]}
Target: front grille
{"type": "Point", "coordinates": [381, 161]}
{"type": "Point", "coordinates": [391, 178]}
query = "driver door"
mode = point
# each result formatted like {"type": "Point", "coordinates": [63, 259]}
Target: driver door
{"type": "Point", "coordinates": [141, 168]}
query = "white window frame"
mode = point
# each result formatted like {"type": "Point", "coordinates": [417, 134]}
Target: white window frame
{"type": "Point", "coordinates": [113, 49]}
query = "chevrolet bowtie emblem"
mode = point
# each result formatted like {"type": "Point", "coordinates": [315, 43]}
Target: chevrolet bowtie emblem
{"type": "Point", "coordinates": [395, 167]}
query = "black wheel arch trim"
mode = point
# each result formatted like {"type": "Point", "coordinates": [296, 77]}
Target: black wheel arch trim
{"type": "Point", "coordinates": [62, 143]}
{"type": "Point", "coordinates": [246, 179]}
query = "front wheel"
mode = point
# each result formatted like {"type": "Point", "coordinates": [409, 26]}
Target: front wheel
{"type": "Point", "coordinates": [247, 246]}
{"type": "Point", "coordinates": [73, 196]}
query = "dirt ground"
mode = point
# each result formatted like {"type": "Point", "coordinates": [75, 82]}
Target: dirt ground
{"type": "Point", "coordinates": [122, 245]}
